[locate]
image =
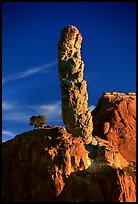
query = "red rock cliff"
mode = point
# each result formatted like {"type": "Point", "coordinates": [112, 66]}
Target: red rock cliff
{"type": "Point", "coordinates": [36, 164]}
{"type": "Point", "coordinates": [114, 119]}
{"type": "Point", "coordinates": [49, 165]}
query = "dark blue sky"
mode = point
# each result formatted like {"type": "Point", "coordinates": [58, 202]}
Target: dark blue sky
{"type": "Point", "coordinates": [30, 33]}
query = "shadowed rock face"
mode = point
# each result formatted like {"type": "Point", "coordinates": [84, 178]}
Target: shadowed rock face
{"type": "Point", "coordinates": [114, 119]}
{"type": "Point", "coordinates": [75, 113]}
{"type": "Point", "coordinates": [105, 185]}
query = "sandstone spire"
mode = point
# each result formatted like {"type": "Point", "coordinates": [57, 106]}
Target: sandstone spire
{"type": "Point", "coordinates": [75, 113]}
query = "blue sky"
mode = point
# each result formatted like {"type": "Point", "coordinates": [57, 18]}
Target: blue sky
{"type": "Point", "coordinates": [30, 33]}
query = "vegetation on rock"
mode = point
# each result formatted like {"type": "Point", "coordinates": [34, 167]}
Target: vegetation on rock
{"type": "Point", "coordinates": [38, 121]}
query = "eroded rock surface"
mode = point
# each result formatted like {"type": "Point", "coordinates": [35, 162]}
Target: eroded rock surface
{"type": "Point", "coordinates": [75, 113]}
{"type": "Point", "coordinates": [48, 165]}
{"type": "Point", "coordinates": [36, 164]}
{"type": "Point", "coordinates": [105, 185]}
{"type": "Point", "coordinates": [114, 119]}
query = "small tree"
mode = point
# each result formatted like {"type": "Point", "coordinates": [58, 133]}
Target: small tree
{"type": "Point", "coordinates": [33, 121]}
{"type": "Point", "coordinates": [38, 121]}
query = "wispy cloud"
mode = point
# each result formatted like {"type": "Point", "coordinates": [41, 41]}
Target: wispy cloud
{"type": "Point", "coordinates": [20, 116]}
{"type": "Point", "coordinates": [92, 107]}
{"type": "Point", "coordinates": [13, 111]}
{"type": "Point", "coordinates": [8, 133]}
{"type": "Point", "coordinates": [52, 111]}
{"type": "Point", "coordinates": [28, 72]}
{"type": "Point", "coordinates": [6, 105]}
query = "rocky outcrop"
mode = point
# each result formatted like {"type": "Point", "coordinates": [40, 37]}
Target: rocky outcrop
{"type": "Point", "coordinates": [49, 165]}
{"type": "Point", "coordinates": [105, 185]}
{"type": "Point", "coordinates": [114, 119]}
{"type": "Point", "coordinates": [75, 112]}
{"type": "Point", "coordinates": [36, 164]}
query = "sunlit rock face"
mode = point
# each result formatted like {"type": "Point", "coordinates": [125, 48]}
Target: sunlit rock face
{"type": "Point", "coordinates": [36, 164]}
{"type": "Point", "coordinates": [75, 113]}
{"type": "Point", "coordinates": [114, 119]}
{"type": "Point", "coordinates": [49, 165]}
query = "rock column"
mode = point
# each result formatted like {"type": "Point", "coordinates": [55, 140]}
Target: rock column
{"type": "Point", "coordinates": [75, 113]}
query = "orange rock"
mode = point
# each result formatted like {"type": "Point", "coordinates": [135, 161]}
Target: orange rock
{"type": "Point", "coordinates": [48, 165]}
{"type": "Point", "coordinates": [105, 185]}
{"type": "Point", "coordinates": [36, 164]}
{"type": "Point", "coordinates": [114, 119]}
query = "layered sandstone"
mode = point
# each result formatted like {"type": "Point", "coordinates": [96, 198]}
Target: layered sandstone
{"type": "Point", "coordinates": [75, 113]}
{"type": "Point", "coordinates": [114, 119]}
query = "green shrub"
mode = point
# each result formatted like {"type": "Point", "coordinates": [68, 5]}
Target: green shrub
{"type": "Point", "coordinates": [38, 121]}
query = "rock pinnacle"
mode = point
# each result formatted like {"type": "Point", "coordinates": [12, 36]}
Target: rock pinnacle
{"type": "Point", "coordinates": [75, 113]}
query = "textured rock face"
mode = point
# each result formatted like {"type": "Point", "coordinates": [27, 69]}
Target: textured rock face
{"type": "Point", "coordinates": [107, 154]}
{"type": "Point", "coordinates": [114, 119]}
{"type": "Point", "coordinates": [36, 164]}
{"type": "Point", "coordinates": [105, 185]}
{"type": "Point", "coordinates": [75, 113]}
{"type": "Point", "coordinates": [48, 165]}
